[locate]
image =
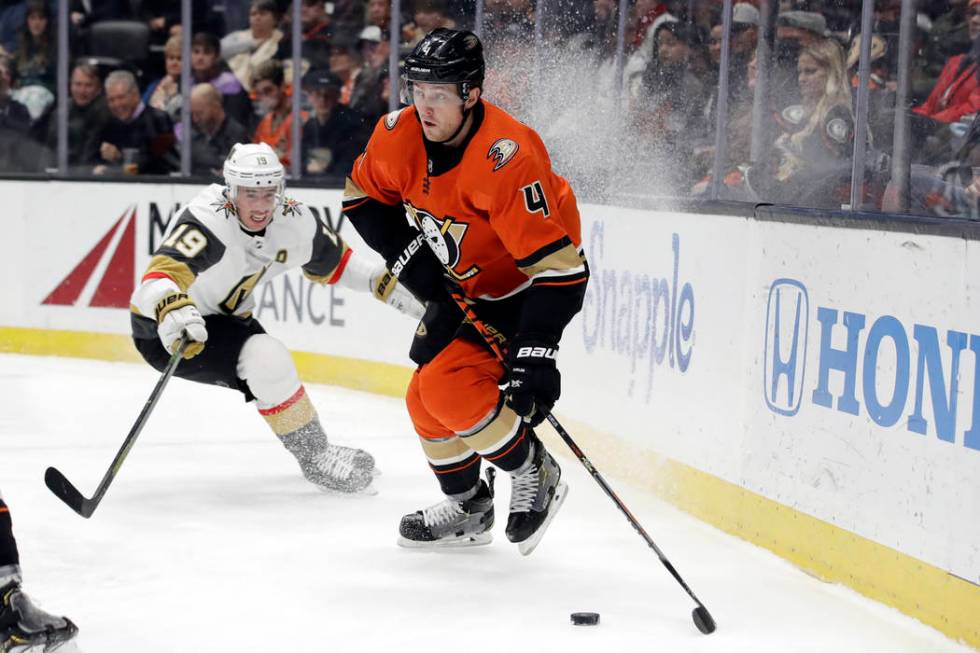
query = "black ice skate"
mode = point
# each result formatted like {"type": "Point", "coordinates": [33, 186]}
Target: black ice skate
{"type": "Point", "coordinates": [329, 466]}
{"type": "Point", "coordinates": [451, 523]}
{"type": "Point", "coordinates": [536, 494]}
{"type": "Point", "coordinates": [26, 629]}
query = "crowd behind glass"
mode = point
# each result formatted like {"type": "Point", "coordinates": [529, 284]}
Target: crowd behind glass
{"type": "Point", "coordinates": [627, 110]}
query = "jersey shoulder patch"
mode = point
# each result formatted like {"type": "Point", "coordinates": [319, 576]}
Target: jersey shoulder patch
{"type": "Point", "coordinates": [502, 151]}
{"type": "Point", "coordinates": [291, 207]}
{"type": "Point", "coordinates": [391, 119]}
{"type": "Point", "coordinates": [213, 208]}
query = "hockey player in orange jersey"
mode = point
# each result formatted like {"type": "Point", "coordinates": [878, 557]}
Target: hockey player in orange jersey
{"type": "Point", "coordinates": [455, 193]}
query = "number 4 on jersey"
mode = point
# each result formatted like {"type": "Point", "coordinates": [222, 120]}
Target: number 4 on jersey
{"type": "Point", "coordinates": [534, 199]}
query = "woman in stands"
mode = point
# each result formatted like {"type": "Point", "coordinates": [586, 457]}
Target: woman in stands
{"type": "Point", "coordinates": [34, 60]}
{"type": "Point", "coordinates": [246, 49]}
{"type": "Point", "coordinates": [810, 162]}
{"type": "Point", "coordinates": [164, 93]}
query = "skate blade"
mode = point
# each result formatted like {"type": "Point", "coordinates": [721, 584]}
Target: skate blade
{"type": "Point", "coordinates": [527, 546]}
{"type": "Point", "coordinates": [448, 543]}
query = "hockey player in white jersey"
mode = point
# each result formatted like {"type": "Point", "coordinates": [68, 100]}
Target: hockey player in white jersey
{"type": "Point", "coordinates": [200, 281]}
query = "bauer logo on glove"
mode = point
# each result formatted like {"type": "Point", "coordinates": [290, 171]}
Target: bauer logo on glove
{"type": "Point", "coordinates": [535, 382]}
{"type": "Point", "coordinates": [177, 315]}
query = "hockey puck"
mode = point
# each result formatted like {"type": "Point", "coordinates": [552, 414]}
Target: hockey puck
{"type": "Point", "coordinates": [585, 618]}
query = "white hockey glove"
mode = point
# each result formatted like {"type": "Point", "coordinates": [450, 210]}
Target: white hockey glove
{"type": "Point", "coordinates": [177, 315]}
{"type": "Point", "coordinates": [385, 286]}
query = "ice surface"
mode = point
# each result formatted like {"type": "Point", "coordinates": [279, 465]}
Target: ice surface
{"type": "Point", "coordinates": [210, 540]}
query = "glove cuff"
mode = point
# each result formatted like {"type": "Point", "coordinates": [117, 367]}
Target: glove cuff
{"type": "Point", "coordinates": [384, 285]}
{"type": "Point", "coordinates": [172, 302]}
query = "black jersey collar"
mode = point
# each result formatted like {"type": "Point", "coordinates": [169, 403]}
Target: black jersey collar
{"type": "Point", "coordinates": [443, 158]}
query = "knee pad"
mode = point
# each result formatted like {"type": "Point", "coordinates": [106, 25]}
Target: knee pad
{"type": "Point", "coordinates": [265, 364]}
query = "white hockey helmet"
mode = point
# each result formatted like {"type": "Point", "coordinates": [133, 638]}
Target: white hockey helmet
{"type": "Point", "coordinates": [254, 165]}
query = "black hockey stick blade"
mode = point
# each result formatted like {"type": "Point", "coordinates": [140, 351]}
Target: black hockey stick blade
{"type": "Point", "coordinates": [67, 492]}
{"type": "Point", "coordinates": [64, 490]}
{"type": "Point", "coordinates": [703, 620]}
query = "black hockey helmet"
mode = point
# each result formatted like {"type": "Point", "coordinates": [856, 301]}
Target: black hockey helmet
{"type": "Point", "coordinates": [447, 56]}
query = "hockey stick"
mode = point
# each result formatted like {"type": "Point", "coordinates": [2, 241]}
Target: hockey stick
{"type": "Point", "coordinates": [63, 488]}
{"type": "Point", "coordinates": [702, 618]}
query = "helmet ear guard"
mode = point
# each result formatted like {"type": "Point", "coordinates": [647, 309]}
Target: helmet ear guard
{"type": "Point", "coordinates": [254, 165]}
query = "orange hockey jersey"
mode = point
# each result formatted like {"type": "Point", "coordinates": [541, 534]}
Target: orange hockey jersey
{"type": "Point", "coordinates": [492, 210]}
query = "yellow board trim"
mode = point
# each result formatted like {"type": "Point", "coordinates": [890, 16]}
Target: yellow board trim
{"type": "Point", "coordinates": [927, 593]}
{"type": "Point", "coordinates": [369, 376]}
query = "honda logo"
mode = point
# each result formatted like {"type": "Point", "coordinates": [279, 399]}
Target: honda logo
{"type": "Point", "coordinates": [787, 320]}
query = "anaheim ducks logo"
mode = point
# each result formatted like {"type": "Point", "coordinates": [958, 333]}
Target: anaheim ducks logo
{"type": "Point", "coordinates": [502, 151]}
{"type": "Point", "coordinates": [445, 239]}
{"type": "Point", "coordinates": [392, 119]}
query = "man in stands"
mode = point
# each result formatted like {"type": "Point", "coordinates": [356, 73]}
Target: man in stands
{"type": "Point", "coordinates": [87, 115]}
{"type": "Point", "coordinates": [135, 135]}
{"type": "Point", "coordinates": [214, 131]}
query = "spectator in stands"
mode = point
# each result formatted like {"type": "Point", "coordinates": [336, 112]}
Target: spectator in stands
{"type": "Point", "coordinates": [809, 164]}
{"type": "Point", "coordinates": [12, 15]}
{"type": "Point", "coordinates": [35, 60]}
{"type": "Point", "coordinates": [207, 67]}
{"type": "Point", "coordinates": [137, 139]}
{"type": "Point", "coordinates": [643, 21]}
{"type": "Point", "coordinates": [745, 32]}
{"type": "Point", "coordinates": [957, 91]}
{"type": "Point", "coordinates": [317, 34]}
{"type": "Point", "coordinates": [345, 63]}
{"type": "Point", "coordinates": [214, 131]}
{"type": "Point", "coordinates": [275, 128]}
{"type": "Point", "coordinates": [378, 14]}
{"type": "Point", "coordinates": [334, 135]}
{"type": "Point", "coordinates": [429, 14]}
{"type": "Point", "coordinates": [13, 115]}
{"type": "Point", "coordinates": [246, 50]}
{"type": "Point", "coordinates": [745, 20]}
{"type": "Point", "coordinates": [366, 94]}
{"type": "Point", "coordinates": [598, 39]}
{"type": "Point", "coordinates": [88, 114]}
{"type": "Point", "coordinates": [36, 54]}
{"type": "Point", "coordinates": [665, 104]}
{"type": "Point", "coordinates": [18, 151]}
{"type": "Point", "coordinates": [949, 36]}
{"type": "Point", "coordinates": [164, 93]}
{"type": "Point", "coordinates": [795, 30]}
{"type": "Point", "coordinates": [669, 97]}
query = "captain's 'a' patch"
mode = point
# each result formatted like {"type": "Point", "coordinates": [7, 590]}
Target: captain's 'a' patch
{"type": "Point", "coordinates": [502, 151]}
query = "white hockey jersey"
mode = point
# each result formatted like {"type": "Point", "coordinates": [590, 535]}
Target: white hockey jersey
{"type": "Point", "coordinates": [207, 254]}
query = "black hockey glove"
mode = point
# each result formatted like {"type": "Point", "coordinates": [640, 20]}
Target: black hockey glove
{"type": "Point", "coordinates": [535, 382]}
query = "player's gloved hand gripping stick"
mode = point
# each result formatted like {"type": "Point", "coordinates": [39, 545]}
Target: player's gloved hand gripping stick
{"type": "Point", "coordinates": [63, 488]}
{"type": "Point", "coordinates": [494, 339]}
